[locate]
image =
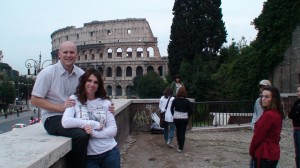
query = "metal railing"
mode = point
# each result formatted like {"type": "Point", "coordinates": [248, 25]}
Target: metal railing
{"type": "Point", "coordinates": [217, 113]}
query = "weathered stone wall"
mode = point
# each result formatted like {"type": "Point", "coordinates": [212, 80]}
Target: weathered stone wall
{"type": "Point", "coordinates": [141, 116]}
{"type": "Point", "coordinates": [287, 75]}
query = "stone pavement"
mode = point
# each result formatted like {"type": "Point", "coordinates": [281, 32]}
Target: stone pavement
{"type": "Point", "coordinates": [215, 147]}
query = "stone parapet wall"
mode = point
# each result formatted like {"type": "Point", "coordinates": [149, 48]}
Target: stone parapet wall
{"type": "Point", "coordinates": [33, 147]}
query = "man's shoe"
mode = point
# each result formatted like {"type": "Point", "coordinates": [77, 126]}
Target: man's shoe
{"type": "Point", "coordinates": [178, 150]}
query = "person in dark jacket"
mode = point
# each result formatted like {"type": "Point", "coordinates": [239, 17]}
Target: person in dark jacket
{"type": "Point", "coordinates": [181, 110]}
{"type": "Point", "coordinates": [264, 148]}
{"type": "Point", "coordinates": [294, 114]}
{"type": "Point", "coordinates": [176, 84]}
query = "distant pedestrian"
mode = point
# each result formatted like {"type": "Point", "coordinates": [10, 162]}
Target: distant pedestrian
{"type": "Point", "coordinates": [176, 84]}
{"type": "Point", "coordinates": [181, 110]}
{"type": "Point", "coordinates": [258, 110]}
{"type": "Point", "coordinates": [294, 114]}
{"type": "Point", "coordinates": [5, 114]}
{"type": "Point", "coordinates": [165, 103]}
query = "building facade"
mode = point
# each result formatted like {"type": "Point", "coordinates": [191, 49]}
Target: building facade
{"type": "Point", "coordinates": [120, 49]}
{"type": "Point", "coordinates": [286, 75]}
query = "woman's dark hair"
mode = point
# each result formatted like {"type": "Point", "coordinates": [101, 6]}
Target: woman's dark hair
{"type": "Point", "coordinates": [176, 76]}
{"type": "Point", "coordinates": [80, 89]}
{"type": "Point", "coordinates": [181, 92]}
{"type": "Point", "coordinates": [168, 92]}
{"type": "Point", "coordinates": [276, 102]}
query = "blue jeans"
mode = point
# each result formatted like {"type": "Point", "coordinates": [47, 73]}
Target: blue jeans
{"type": "Point", "coordinates": [297, 146]}
{"type": "Point", "coordinates": [169, 131]}
{"type": "Point", "coordinates": [109, 159]}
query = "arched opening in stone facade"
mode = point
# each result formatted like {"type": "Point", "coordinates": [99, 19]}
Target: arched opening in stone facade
{"type": "Point", "coordinates": [119, 52]}
{"type": "Point", "coordinates": [119, 72]}
{"type": "Point", "coordinates": [160, 70]}
{"type": "Point", "coordinates": [139, 71]}
{"type": "Point", "coordinates": [100, 56]}
{"type": "Point", "coordinates": [139, 52]}
{"type": "Point", "coordinates": [149, 69]}
{"type": "Point", "coordinates": [150, 52]}
{"type": "Point", "coordinates": [109, 90]}
{"type": "Point", "coordinates": [109, 53]}
{"type": "Point", "coordinates": [128, 91]}
{"type": "Point", "coordinates": [129, 53]}
{"type": "Point", "coordinates": [128, 71]}
{"type": "Point", "coordinates": [108, 72]}
{"type": "Point", "coordinates": [101, 70]}
{"type": "Point", "coordinates": [118, 90]}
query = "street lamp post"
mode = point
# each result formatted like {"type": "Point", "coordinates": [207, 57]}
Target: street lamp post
{"type": "Point", "coordinates": [37, 65]}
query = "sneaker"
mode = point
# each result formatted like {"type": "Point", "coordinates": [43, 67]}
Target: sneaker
{"type": "Point", "coordinates": [170, 144]}
{"type": "Point", "coordinates": [178, 150]}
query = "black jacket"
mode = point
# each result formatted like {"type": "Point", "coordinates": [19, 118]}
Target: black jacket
{"type": "Point", "coordinates": [294, 114]}
{"type": "Point", "coordinates": [181, 104]}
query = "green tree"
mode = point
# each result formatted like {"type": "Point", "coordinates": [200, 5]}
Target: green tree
{"type": "Point", "coordinates": [237, 76]}
{"type": "Point", "coordinates": [7, 92]}
{"type": "Point", "coordinates": [197, 30]}
{"type": "Point", "coordinates": [198, 82]}
{"type": "Point", "coordinates": [275, 25]}
{"type": "Point", "coordinates": [150, 85]}
{"type": "Point", "coordinates": [5, 66]}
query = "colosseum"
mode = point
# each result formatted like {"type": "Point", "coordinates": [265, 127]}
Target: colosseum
{"type": "Point", "coordinates": [121, 49]}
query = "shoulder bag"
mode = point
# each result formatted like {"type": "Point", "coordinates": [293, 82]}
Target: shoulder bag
{"type": "Point", "coordinates": [162, 121]}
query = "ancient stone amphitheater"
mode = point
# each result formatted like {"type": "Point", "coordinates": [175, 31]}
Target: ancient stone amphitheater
{"type": "Point", "coordinates": [121, 49]}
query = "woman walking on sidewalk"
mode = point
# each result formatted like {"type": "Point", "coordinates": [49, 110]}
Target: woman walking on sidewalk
{"type": "Point", "coordinates": [181, 110]}
{"type": "Point", "coordinates": [165, 103]}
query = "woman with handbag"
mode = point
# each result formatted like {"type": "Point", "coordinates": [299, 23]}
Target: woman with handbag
{"type": "Point", "coordinates": [181, 110]}
{"type": "Point", "coordinates": [166, 118]}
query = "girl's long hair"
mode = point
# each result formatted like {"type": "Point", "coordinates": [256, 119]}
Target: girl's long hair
{"type": "Point", "coordinates": [276, 102]}
{"type": "Point", "coordinates": [80, 89]}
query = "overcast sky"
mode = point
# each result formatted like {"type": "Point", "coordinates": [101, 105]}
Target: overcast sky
{"type": "Point", "coordinates": [26, 25]}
